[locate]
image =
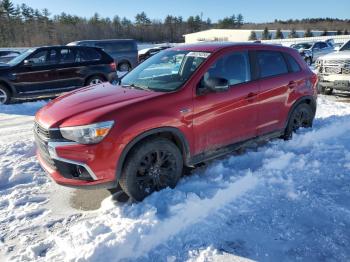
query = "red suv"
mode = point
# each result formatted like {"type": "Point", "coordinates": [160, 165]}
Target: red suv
{"type": "Point", "coordinates": [180, 107]}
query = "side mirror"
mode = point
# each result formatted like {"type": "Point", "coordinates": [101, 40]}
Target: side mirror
{"type": "Point", "coordinates": [216, 84]}
{"type": "Point", "coordinates": [27, 62]}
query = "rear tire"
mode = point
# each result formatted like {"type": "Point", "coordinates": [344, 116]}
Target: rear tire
{"type": "Point", "coordinates": [124, 67]}
{"type": "Point", "coordinates": [151, 166]}
{"type": "Point", "coordinates": [302, 116]}
{"type": "Point", "coordinates": [94, 80]}
{"type": "Point", "coordinates": [328, 91]}
{"type": "Point", "coordinates": [5, 96]}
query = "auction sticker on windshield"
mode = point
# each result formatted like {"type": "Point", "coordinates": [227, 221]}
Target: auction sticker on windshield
{"type": "Point", "coordinates": [198, 54]}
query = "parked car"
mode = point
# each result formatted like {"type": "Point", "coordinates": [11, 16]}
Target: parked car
{"type": "Point", "coordinates": [311, 51]}
{"type": "Point", "coordinates": [148, 52]}
{"type": "Point", "coordinates": [334, 71]}
{"type": "Point", "coordinates": [337, 46]}
{"type": "Point", "coordinates": [52, 70]}
{"type": "Point", "coordinates": [221, 97]}
{"type": "Point", "coordinates": [124, 51]}
{"type": "Point", "coordinates": [7, 55]}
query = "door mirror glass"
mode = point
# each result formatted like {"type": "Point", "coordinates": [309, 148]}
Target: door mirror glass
{"type": "Point", "coordinates": [216, 84]}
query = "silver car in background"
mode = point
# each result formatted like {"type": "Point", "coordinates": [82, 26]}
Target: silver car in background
{"type": "Point", "coordinates": [310, 51]}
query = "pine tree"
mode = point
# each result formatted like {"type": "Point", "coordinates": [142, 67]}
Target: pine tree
{"type": "Point", "coordinates": [308, 33]}
{"type": "Point", "coordinates": [240, 20]}
{"type": "Point", "coordinates": [293, 34]}
{"type": "Point", "coordinates": [252, 36]}
{"type": "Point", "coordinates": [266, 34]}
{"type": "Point", "coordinates": [324, 33]}
{"type": "Point", "coordinates": [279, 34]}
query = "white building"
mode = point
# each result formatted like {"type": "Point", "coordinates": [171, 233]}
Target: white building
{"type": "Point", "coordinates": [239, 35]}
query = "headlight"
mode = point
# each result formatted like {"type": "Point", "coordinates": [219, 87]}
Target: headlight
{"type": "Point", "coordinates": [89, 134]}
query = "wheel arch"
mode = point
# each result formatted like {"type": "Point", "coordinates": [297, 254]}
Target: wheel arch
{"type": "Point", "coordinates": [92, 75]}
{"type": "Point", "coordinates": [10, 88]}
{"type": "Point", "coordinates": [310, 100]}
{"type": "Point", "coordinates": [171, 133]}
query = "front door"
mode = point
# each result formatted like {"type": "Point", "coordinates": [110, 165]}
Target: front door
{"type": "Point", "coordinates": [35, 74]}
{"type": "Point", "coordinates": [228, 117]}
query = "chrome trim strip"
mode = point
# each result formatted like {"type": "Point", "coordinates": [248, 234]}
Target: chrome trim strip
{"type": "Point", "coordinates": [49, 90]}
{"type": "Point", "coordinates": [54, 155]}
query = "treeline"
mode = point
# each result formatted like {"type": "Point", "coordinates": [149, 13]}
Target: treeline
{"type": "Point", "coordinates": [25, 26]}
{"type": "Point", "coordinates": [325, 24]}
{"type": "Point", "coordinates": [22, 26]}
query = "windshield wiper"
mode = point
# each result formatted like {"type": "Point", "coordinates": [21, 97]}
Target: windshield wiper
{"type": "Point", "coordinates": [136, 87]}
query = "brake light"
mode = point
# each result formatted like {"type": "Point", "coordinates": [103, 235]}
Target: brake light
{"type": "Point", "coordinates": [113, 66]}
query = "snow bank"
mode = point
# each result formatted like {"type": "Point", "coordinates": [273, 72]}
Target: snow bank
{"type": "Point", "coordinates": [283, 201]}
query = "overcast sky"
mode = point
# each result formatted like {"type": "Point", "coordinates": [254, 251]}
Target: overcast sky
{"type": "Point", "coordinates": [252, 10]}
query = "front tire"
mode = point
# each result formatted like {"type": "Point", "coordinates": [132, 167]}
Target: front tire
{"type": "Point", "coordinates": [151, 166]}
{"type": "Point", "coordinates": [94, 80]}
{"type": "Point", "coordinates": [5, 95]}
{"type": "Point", "coordinates": [302, 116]}
{"type": "Point", "coordinates": [328, 91]}
{"type": "Point", "coordinates": [308, 61]}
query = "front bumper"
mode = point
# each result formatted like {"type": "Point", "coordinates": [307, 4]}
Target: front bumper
{"type": "Point", "coordinates": [338, 82]}
{"type": "Point", "coordinates": [77, 165]}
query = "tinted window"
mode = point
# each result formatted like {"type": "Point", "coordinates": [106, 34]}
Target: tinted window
{"type": "Point", "coordinates": [39, 58]}
{"type": "Point", "coordinates": [294, 66]}
{"type": "Point", "coordinates": [233, 67]}
{"type": "Point", "coordinates": [52, 58]}
{"type": "Point", "coordinates": [271, 63]}
{"type": "Point", "coordinates": [322, 45]}
{"type": "Point", "coordinates": [84, 55]}
{"type": "Point", "coordinates": [67, 56]}
{"type": "Point", "coordinates": [110, 47]}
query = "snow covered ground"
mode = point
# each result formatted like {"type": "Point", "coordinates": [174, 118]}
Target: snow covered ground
{"type": "Point", "coordinates": [281, 201]}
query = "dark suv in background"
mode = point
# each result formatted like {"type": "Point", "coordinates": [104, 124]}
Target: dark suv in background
{"type": "Point", "coordinates": [124, 51]}
{"type": "Point", "coordinates": [52, 70]}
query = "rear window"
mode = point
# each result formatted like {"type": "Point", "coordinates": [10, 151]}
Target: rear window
{"type": "Point", "coordinates": [84, 55]}
{"type": "Point", "coordinates": [271, 63]}
{"type": "Point", "coordinates": [111, 47]}
{"type": "Point", "coordinates": [294, 66]}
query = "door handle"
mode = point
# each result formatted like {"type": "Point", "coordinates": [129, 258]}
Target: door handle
{"type": "Point", "coordinates": [292, 84]}
{"type": "Point", "coordinates": [251, 96]}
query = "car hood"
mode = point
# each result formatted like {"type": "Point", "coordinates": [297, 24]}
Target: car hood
{"type": "Point", "coordinates": [85, 105]}
{"type": "Point", "coordinates": [337, 55]}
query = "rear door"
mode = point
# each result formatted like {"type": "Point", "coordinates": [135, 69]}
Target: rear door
{"type": "Point", "coordinates": [276, 84]}
{"type": "Point", "coordinates": [70, 73]}
{"type": "Point", "coordinates": [37, 75]}
{"type": "Point", "coordinates": [224, 118]}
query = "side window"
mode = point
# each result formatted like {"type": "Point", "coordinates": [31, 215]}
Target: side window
{"type": "Point", "coordinates": [317, 46]}
{"type": "Point", "coordinates": [67, 56]}
{"type": "Point", "coordinates": [39, 58]}
{"type": "Point", "coordinates": [52, 58]}
{"type": "Point", "coordinates": [323, 45]}
{"type": "Point", "coordinates": [271, 63]}
{"type": "Point", "coordinates": [233, 67]}
{"type": "Point", "coordinates": [87, 54]}
{"type": "Point", "coordinates": [294, 66]}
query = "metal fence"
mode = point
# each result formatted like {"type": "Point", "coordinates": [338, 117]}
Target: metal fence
{"type": "Point", "coordinates": [291, 41]}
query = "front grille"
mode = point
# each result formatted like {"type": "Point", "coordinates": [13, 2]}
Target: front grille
{"type": "Point", "coordinates": [337, 62]}
{"type": "Point", "coordinates": [335, 66]}
{"type": "Point", "coordinates": [41, 131]}
{"type": "Point", "coordinates": [332, 70]}
{"type": "Point", "coordinates": [42, 146]}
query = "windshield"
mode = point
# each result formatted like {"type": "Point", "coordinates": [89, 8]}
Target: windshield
{"type": "Point", "coordinates": [345, 47]}
{"type": "Point", "coordinates": [166, 71]}
{"type": "Point", "coordinates": [302, 46]}
{"type": "Point", "coordinates": [18, 59]}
